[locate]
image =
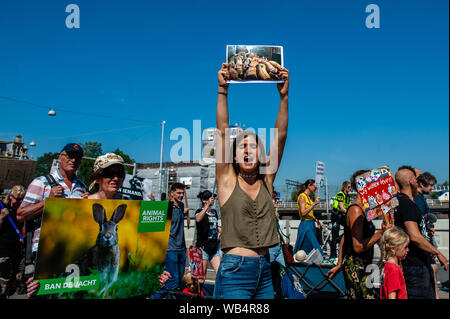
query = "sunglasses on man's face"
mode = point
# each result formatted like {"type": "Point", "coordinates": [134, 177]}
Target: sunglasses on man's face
{"type": "Point", "coordinates": [112, 174]}
{"type": "Point", "coordinates": [72, 156]}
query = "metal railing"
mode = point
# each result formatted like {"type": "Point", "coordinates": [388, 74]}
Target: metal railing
{"type": "Point", "coordinates": [436, 202]}
{"type": "Point", "coordinates": [440, 188]}
{"type": "Point", "coordinates": [322, 205]}
{"type": "Point", "coordinates": [289, 204]}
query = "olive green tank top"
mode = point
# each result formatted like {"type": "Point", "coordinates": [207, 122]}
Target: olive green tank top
{"type": "Point", "coordinates": [248, 223]}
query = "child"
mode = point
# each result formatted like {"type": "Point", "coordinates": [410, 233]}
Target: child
{"type": "Point", "coordinates": [192, 285]}
{"type": "Point", "coordinates": [394, 248]}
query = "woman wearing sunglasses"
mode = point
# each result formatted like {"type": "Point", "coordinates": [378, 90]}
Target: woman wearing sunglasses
{"type": "Point", "coordinates": [11, 240]}
{"type": "Point", "coordinates": [107, 177]}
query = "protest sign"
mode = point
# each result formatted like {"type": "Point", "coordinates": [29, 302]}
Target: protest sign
{"type": "Point", "coordinates": [55, 166]}
{"type": "Point", "coordinates": [377, 191]}
{"type": "Point", "coordinates": [255, 63]}
{"type": "Point", "coordinates": [135, 188]}
{"type": "Point", "coordinates": [196, 262]}
{"type": "Point", "coordinates": [120, 259]}
{"type": "Point", "coordinates": [320, 175]}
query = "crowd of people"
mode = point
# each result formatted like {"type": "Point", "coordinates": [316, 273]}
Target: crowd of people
{"type": "Point", "coordinates": [247, 250]}
{"type": "Point", "coordinates": [407, 249]}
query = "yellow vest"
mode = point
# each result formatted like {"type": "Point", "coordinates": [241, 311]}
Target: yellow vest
{"type": "Point", "coordinates": [308, 203]}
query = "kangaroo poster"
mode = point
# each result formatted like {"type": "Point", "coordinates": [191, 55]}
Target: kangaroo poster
{"type": "Point", "coordinates": [92, 249]}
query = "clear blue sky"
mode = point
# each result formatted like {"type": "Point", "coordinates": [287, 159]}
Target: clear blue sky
{"type": "Point", "coordinates": [359, 97]}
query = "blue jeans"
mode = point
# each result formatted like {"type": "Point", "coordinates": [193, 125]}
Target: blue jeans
{"type": "Point", "coordinates": [240, 277]}
{"type": "Point", "coordinates": [175, 263]}
{"type": "Point", "coordinates": [276, 255]}
{"type": "Point", "coordinates": [205, 255]}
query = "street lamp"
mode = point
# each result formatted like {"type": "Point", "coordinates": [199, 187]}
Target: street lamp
{"type": "Point", "coordinates": [161, 157]}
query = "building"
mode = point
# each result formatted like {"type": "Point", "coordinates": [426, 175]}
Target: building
{"type": "Point", "coordinates": [14, 149]}
{"type": "Point", "coordinates": [16, 168]}
{"type": "Point", "coordinates": [197, 175]}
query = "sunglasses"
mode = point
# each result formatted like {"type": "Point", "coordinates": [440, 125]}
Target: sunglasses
{"type": "Point", "coordinates": [112, 174]}
{"type": "Point", "coordinates": [17, 199]}
{"type": "Point", "coordinates": [74, 156]}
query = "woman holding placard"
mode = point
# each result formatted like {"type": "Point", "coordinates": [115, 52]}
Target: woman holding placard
{"type": "Point", "coordinates": [245, 185]}
{"type": "Point", "coordinates": [108, 176]}
{"type": "Point", "coordinates": [359, 238]}
{"type": "Point", "coordinates": [306, 234]}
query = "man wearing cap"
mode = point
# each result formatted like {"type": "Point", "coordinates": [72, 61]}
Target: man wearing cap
{"type": "Point", "coordinates": [63, 182]}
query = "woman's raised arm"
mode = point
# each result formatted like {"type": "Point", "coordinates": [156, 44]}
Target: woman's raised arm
{"type": "Point", "coordinates": [281, 127]}
{"type": "Point", "coordinates": [223, 164]}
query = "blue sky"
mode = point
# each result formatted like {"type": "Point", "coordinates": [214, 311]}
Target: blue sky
{"type": "Point", "coordinates": [359, 97]}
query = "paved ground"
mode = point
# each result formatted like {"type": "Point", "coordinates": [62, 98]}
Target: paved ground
{"type": "Point", "coordinates": [210, 276]}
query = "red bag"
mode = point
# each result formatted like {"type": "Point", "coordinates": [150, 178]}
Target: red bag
{"type": "Point", "coordinates": [287, 251]}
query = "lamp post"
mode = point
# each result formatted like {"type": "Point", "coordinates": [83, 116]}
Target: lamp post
{"type": "Point", "coordinates": [161, 157]}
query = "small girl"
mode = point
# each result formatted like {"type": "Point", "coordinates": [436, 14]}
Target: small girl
{"type": "Point", "coordinates": [394, 248]}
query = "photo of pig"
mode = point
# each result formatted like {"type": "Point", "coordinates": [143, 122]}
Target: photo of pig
{"type": "Point", "coordinates": [255, 63]}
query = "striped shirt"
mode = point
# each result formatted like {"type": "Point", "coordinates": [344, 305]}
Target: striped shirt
{"type": "Point", "coordinates": [39, 190]}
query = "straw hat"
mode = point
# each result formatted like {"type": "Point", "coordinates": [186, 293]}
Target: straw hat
{"type": "Point", "coordinates": [299, 256]}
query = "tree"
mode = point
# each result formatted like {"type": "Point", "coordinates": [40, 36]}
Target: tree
{"type": "Point", "coordinates": [294, 195]}
{"type": "Point", "coordinates": [93, 150]}
{"type": "Point", "coordinates": [44, 164]}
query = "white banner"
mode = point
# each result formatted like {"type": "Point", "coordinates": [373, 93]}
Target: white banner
{"type": "Point", "coordinates": [135, 188]}
{"type": "Point", "coordinates": [320, 173]}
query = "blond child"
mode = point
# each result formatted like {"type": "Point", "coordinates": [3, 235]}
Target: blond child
{"type": "Point", "coordinates": [394, 248]}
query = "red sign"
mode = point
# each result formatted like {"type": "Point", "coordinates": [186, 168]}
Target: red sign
{"type": "Point", "coordinates": [377, 191]}
{"type": "Point", "coordinates": [196, 262]}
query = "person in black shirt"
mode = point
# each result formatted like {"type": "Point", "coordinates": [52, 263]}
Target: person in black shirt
{"type": "Point", "coordinates": [11, 256]}
{"type": "Point", "coordinates": [417, 265]}
{"type": "Point", "coordinates": [208, 231]}
{"type": "Point", "coordinates": [426, 183]}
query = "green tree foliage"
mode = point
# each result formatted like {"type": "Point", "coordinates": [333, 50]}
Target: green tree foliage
{"type": "Point", "coordinates": [294, 195]}
{"type": "Point", "coordinates": [44, 163]}
{"type": "Point", "coordinates": [93, 150]}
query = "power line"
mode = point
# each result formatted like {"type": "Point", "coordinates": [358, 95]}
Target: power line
{"type": "Point", "coordinates": [99, 132]}
{"type": "Point", "coordinates": [75, 112]}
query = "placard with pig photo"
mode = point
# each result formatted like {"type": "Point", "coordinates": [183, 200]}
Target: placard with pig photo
{"type": "Point", "coordinates": [255, 63]}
